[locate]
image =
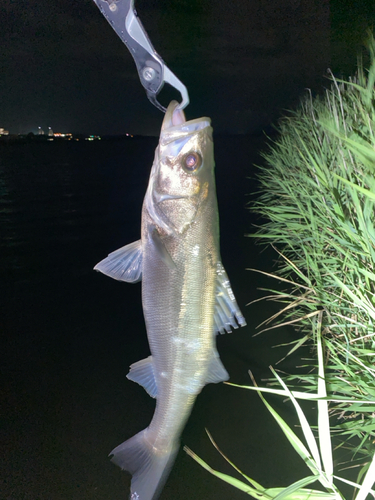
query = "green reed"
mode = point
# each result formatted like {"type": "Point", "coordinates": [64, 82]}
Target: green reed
{"type": "Point", "coordinates": [318, 197]}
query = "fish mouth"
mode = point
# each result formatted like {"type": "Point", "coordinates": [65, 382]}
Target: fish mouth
{"type": "Point", "coordinates": [175, 126]}
{"type": "Point", "coordinates": [174, 116]}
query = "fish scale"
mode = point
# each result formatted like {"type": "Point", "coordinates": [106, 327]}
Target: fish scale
{"type": "Point", "coordinates": [186, 295]}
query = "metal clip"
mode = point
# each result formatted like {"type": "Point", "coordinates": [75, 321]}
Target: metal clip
{"type": "Point", "coordinates": [152, 70]}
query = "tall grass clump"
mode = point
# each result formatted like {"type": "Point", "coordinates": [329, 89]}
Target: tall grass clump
{"type": "Point", "coordinates": [317, 201]}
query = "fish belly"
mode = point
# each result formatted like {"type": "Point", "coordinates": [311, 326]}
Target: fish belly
{"type": "Point", "coordinates": [179, 306]}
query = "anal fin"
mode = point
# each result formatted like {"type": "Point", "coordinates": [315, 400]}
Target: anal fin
{"type": "Point", "coordinates": [142, 372]}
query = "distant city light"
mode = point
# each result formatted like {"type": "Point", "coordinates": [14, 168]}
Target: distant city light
{"type": "Point", "coordinates": [93, 138]}
{"type": "Point", "coordinates": [50, 135]}
{"type": "Point", "coordinates": [63, 136]}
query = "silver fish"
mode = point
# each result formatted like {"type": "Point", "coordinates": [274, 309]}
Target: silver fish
{"type": "Point", "coordinates": [186, 295]}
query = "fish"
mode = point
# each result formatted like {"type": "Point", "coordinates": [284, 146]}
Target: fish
{"type": "Point", "coordinates": [186, 295]}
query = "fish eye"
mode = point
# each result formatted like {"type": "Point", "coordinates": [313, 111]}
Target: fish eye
{"type": "Point", "coordinates": [192, 161]}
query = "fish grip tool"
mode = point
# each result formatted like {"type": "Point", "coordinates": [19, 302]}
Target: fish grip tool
{"type": "Point", "coordinates": [152, 71]}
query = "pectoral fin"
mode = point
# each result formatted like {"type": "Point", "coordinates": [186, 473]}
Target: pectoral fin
{"type": "Point", "coordinates": [142, 372]}
{"type": "Point", "coordinates": [216, 372]}
{"type": "Point", "coordinates": [226, 307]}
{"type": "Point", "coordinates": [124, 264]}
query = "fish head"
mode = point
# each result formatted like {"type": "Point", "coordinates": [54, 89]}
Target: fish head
{"type": "Point", "coordinates": [182, 178]}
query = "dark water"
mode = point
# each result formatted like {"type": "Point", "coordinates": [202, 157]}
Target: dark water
{"type": "Point", "coordinates": [68, 334]}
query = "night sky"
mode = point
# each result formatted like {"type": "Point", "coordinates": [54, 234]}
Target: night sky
{"type": "Point", "coordinates": [243, 62]}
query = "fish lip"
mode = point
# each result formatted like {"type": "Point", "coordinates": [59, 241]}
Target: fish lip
{"type": "Point", "coordinates": [184, 126]}
{"type": "Point", "coordinates": [174, 117]}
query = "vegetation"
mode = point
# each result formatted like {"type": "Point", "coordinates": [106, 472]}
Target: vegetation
{"type": "Point", "coordinates": [318, 201]}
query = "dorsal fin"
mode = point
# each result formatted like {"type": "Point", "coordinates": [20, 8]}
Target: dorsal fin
{"type": "Point", "coordinates": [226, 307]}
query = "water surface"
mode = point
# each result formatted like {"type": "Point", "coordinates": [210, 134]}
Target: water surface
{"type": "Point", "coordinates": [68, 334]}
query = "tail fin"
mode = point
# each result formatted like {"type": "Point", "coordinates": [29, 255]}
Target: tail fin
{"type": "Point", "coordinates": [149, 470]}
